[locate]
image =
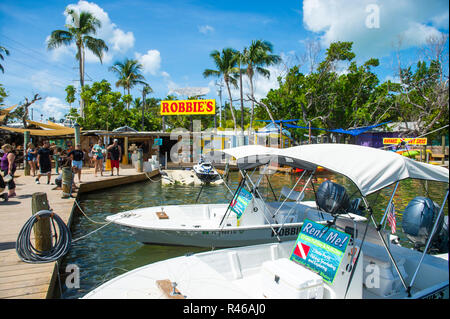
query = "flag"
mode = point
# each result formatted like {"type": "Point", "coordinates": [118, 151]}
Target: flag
{"type": "Point", "coordinates": [301, 250]}
{"type": "Point", "coordinates": [391, 218]}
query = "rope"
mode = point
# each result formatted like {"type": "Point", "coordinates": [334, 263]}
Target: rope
{"type": "Point", "coordinates": [76, 202]}
{"type": "Point", "coordinates": [29, 254]}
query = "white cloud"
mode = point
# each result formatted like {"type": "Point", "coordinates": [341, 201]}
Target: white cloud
{"type": "Point", "coordinates": [205, 29]}
{"type": "Point", "coordinates": [375, 26]}
{"type": "Point", "coordinates": [117, 40]}
{"type": "Point", "coordinates": [45, 82]}
{"type": "Point", "coordinates": [151, 61]}
{"type": "Point", "coordinates": [52, 107]}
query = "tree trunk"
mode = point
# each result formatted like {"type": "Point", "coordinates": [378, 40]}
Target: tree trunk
{"type": "Point", "coordinates": [242, 101]}
{"type": "Point", "coordinates": [253, 103]}
{"type": "Point", "coordinates": [231, 105]}
{"type": "Point", "coordinates": [81, 61]}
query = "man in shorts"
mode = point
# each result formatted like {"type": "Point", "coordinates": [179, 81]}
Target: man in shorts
{"type": "Point", "coordinates": [116, 154]}
{"type": "Point", "coordinates": [77, 157]}
{"type": "Point", "coordinates": [44, 161]}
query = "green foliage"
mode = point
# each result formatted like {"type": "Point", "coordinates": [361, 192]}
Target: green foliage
{"type": "Point", "coordinates": [106, 110]}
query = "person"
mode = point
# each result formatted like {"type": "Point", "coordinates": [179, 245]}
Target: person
{"type": "Point", "coordinates": [91, 155]}
{"type": "Point", "coordinates": [99, 151]}
{"type": "Point", "coordinates": [44, 161]}
{"type": "Point", "coordinates": [8, 167]}
{"type": "Point", "coordinates": [77, 157]}
{"type": "Point", "coordinates": [2, 188]}
{"type": "Point", "coordinates": [31, 157]}
{"type": "Point", "coordinates": [116, 154]}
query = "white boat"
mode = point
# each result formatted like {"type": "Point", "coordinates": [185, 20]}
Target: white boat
{"type": "Point", "coordinates": [246, 220]}
{"type": "Point", "coordinates": [205, 171]}
{"type": "Point", "coordinates": [352, 260]}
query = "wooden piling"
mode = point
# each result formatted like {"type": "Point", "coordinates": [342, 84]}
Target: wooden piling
{"type": "Point", "coordinates": [26, 165]}
{"type": "Point", "coordinates": [66, 182]}
{"type": "Point", "coordinates": [42, 231]}
{"type": "Point", "coordinates": [140, 160]}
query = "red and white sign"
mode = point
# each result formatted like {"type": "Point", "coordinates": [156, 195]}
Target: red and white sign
{"type": "Point", "coordinates": [301, 250]}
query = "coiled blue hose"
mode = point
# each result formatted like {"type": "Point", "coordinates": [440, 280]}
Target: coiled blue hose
{"type": "Point", "coordinates": [29, 254]}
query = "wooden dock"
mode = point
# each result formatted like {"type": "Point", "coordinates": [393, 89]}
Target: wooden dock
{"type": "Point", "coordinates": [20, 280]}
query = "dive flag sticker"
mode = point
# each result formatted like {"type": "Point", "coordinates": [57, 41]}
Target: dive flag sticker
{"type": "Point", "coordinates": [301, 250]}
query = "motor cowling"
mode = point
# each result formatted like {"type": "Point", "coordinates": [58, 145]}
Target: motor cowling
{"type": "Point", "coordinates": [332, 198]}
{"type": "Point", "coordinates": [419, 217]}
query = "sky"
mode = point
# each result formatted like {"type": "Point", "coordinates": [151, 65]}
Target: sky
{"type": "Point", "coordinates": [173, 39]}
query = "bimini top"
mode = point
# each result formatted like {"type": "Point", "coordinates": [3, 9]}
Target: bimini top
{"type": "Point", "coordinates": [369, 168]}
{"type": "Point", "coordinates": [247, 157]}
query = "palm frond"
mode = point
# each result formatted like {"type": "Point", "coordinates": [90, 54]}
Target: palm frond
{"type": "Point", "coordinates": [59, 38]}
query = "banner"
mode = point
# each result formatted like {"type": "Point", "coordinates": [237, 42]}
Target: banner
{"type": "Point", "coordinates": [241, 202]}
{"type": "Point", "coordinates": [320, 248]}
{"type": "Point", "coordinates": [409, 141]}
{"type": "Point", "coordinates": [188, 107]}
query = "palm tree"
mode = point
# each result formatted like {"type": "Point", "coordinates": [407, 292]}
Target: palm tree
{"type": "Point", "coordinates": [129, 74]}
{"type": "Point", "coordinates": [145, 90]}
{"type": "Point", "coordinates": [256, 57]}
{"type": "Point", "coordinates": [226, 67]}
{"type": "Point", "coordinates": [240, 60]}
{"type": "Point", "coordinates": [83, 26]}
{"type": "Point", "coordinates": [3, 49]}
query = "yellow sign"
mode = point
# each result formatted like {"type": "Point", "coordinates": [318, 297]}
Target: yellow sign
{"type": "Point", "coordinates": [188, 107]}
{"type": "Point", "coordinates": [409, 141]}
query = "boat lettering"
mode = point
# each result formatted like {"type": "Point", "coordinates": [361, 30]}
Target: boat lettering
{"type": "Point", "coordinates": [438, 294]}
{"type": "Point", "coordinates": [289, 231]}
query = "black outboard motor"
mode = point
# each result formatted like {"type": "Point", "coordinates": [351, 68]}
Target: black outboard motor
{"type": "Point", "coordinates": [419, 218]}
{"type": "Point", "coordinates": [332, 198]}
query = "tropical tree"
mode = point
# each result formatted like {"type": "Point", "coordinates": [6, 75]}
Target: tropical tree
{"type": "Point", "coordinates": [226, 67]}
{"type": "Point", "coordinates": [4, 50]}
{"type": "Point", "coordinates": [83, 26]}
{"type": "Point", "coordinates": [257, 56]}
{"type": "Point", "coordinates": [128, 73]}
{"type": "Point", "coordinates": [70, 94]}
{"type": "Point", "coordinates": [145, 90]}
{"type": "Point", "coordinates": [240, 61]}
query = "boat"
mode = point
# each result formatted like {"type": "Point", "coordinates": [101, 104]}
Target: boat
{"type": "Point", "coordinates": [246, 220]}
{"type": "Point", "coordinates": [205, 171]}
{"type": "Point", "coordinates": [344, 259]}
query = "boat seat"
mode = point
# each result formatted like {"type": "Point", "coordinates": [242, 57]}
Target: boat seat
{"type": "Point", "coordinates": [294, 195]}
{"type": "Point", "coordinates": [380, 276]}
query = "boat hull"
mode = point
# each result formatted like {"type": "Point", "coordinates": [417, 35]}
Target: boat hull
{"type": "Point", "coordinates": [218, 238]}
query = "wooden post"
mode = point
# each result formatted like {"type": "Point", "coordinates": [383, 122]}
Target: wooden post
{"type": "Point", "coordinates": [42, 230]}
{"type": "Point", "coordinates": [443, 149]}
{"type": "Point", "coordinates": [125, 151]}
{"type": "Point", "coordinates": [140, 161]}
{"type": "Point", "coordinates": [77, 134]}
{"type": "Point", "coordinates": [26, 165]}
{"type": "Point", "coordinates": [66, 182]}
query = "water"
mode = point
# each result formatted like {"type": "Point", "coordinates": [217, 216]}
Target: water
{"type": "Point", "coordinates": [110, 252]}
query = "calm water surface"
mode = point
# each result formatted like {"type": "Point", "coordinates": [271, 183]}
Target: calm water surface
{"type": "Point", "coordinates": [109, 251]}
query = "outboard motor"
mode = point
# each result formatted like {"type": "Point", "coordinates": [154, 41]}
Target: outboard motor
{"type": "Point", "coordinates": [332, 198]}
{"type": "Point", "coordinates": [419, 218]}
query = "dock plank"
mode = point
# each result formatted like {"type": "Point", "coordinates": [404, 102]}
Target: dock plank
{"type": "Point", "coordinates": [20, 280]}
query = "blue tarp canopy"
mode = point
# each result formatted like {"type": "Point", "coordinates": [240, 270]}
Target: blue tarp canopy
{"type": "Point", "coordinates": [353, 132]}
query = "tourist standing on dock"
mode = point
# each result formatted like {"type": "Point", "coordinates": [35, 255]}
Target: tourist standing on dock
{"type": "Point", "coordinates": [8, 167]}
{"type": "Point", "coordinates": [44, 161]}
{"type": "Point", "coordinates": [77, 157]}
{"type": "Point", "coordinates": [116, 154]}
{"type": "Point", "coordinates": [99, 151]}
{"type": "Point", "coordinates": [31, 157]}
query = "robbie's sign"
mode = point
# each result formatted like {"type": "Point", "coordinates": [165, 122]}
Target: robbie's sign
{"type": "Point", "coordinates": [188, 107]}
